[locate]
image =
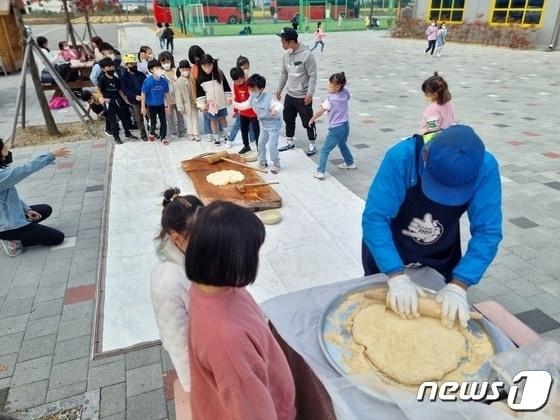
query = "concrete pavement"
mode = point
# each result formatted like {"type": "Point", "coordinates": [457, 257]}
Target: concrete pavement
{"type": "Point", "coordinates": [509, 97]}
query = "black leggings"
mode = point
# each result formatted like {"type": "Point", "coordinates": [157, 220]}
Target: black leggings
{"type": "Point", "coordinates": [35, 233]}
{"type": "Point", "coordinates": [431, 46]}
{"type": "Point", "coordinates": [245, 123]}
{"type": "Point", "coordinates": [158, 111]}
{"type": "Point", "coordinates": [293, 107]}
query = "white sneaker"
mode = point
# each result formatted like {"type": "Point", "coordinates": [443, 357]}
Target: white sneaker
{"type": "Point", "coordinates": [319, 175]}
{"type": "Point", "coordinates": [311, 149]}
{"type": "Point", "coordinates": [275, 169]}
{"type": "Point", "coordinates": [345, 166]}
{"type": "Point", "coordinates": [262, 166]}
{"type": "Point", "coordinates": [11, 248]}
{"type": "Point", "coordinates": [227, 144]}
{"type": "Point", "coordinates": [209, 138]}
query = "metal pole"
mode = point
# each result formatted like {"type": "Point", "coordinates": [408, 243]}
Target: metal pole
{"type": "Point", "coordinates": [21, 91]}
{"type": "Point", "coordinates": [64, 87]}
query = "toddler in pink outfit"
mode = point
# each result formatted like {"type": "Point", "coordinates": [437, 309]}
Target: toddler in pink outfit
{"type": "Point", "coordinates": [440, 113]}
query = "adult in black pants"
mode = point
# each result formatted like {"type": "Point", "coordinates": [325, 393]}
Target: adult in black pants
{"type": "Point", "coordinates": [19, 223]}
{"type": "Point", "coordinates": [299, 75]}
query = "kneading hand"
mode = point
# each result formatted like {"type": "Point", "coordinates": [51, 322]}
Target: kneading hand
{"type": "Point", "coordinates": [454, 305]}
{"type": "Point", "coordinates": [403, 296]}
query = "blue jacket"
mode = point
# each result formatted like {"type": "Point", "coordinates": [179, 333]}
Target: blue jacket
{"type": "Point", "coordinates": [95, 74]}
{"type": "Point", "coordinates": [131, 84]}
{"type": "Point", "coordinates": [398, 173]}
{"type": "Point", "coordinates": [12, 208]}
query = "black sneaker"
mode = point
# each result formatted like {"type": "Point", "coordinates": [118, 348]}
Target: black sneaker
{"type": "Point", "coordinates": [118, 140]}
{"type": "Point", "coordinates": [245, 149]}
{"type": "Point", "coordinates": [144, 138]}
{"type": "Point", "coordinates": [130, 136]}
{"type": "Point", "coordinates": [217, 141]}
{"type": "Point", "coordinates": [289, 146]}
{"type": "Point", "coordinates": [108, 134]}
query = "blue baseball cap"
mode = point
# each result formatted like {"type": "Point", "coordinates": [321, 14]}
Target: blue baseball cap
{"type": "Point", "coordinates": [450, 164]}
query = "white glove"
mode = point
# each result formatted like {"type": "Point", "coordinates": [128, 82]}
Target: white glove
{"type": "Point", "coordinates": [454, 304]}
{"type": "Point", "coordinates": [403, 296]}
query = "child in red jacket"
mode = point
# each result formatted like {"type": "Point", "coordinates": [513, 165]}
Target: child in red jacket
{"type": "Point", "coordinates": [246, 117]}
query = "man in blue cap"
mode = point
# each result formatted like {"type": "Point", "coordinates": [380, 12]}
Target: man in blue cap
{"type": "Point", "coordinates": [412, 214]}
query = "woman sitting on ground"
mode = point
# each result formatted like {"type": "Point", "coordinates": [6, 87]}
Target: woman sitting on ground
{"type": "Point", "coordinates": [19, 223]}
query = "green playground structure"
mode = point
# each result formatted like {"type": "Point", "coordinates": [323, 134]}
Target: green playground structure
{"type": "Point", "coordinates": [246, 17]}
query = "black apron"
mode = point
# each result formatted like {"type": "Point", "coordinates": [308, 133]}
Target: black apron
{"type": "Point", "coordinates": [425, 232]}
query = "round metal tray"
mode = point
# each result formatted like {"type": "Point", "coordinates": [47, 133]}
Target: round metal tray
{"type": "Point", "coordinates": [335, 352]}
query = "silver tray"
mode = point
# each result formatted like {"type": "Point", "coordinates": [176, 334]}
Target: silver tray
{"type": "Point", "coordinates": [335, 352]}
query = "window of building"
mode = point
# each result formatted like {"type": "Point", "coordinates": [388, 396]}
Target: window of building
{"type": "Point", "coordinates": [447, 10]}
{"type": "Point", "coordinates": [523, 12]}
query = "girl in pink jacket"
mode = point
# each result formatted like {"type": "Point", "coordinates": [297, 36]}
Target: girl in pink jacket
{"type": "Point", "coordinates": [431, 33]}
{"type": "Point", "coordinates": [319, 35]}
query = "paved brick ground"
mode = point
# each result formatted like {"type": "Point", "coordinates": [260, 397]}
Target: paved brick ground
{"type": "Point", "coordinates": [46, 295]}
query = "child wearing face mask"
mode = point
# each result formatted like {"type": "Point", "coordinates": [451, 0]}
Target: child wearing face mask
{"type": "Point", "coordinates": [268, 112]}
{"type": "Point", "coordinates": [115, 101]}
{"type": "Point", "coordinates": [185, 100]}
{"type": "Point", "coordinates": [155, 100]}
{"type": "Point", "coordinates": [131, 84]}
{"type": "Point", "coordinates": [107, 51]}
{"type": "Point", "coordinates": [175, 121]}
{"type": "Point", "coordinates": [65, 52]}
{"type": "Point", "coordinates": [247, 117]}
{"type": "Point", "coordinates": [212, 96]}
{"type": "Point", "coordinates": [144, 57]}
{"type": "Point", "coordinates": [169, 283]}
{"type": "Point", "coordinates": [243, 63]}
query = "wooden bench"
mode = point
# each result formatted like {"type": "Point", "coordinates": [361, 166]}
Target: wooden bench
{"type": "Point", "coordinates": [72, 85]}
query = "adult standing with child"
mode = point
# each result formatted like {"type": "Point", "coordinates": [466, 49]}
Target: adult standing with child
{"type": "Point", "coordinates": [299, 76]}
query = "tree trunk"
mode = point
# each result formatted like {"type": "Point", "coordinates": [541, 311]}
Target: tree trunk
{"type": "Point", "coordinates": [43, 103]}
{"type": "Point", "coordinates": [69, 27]}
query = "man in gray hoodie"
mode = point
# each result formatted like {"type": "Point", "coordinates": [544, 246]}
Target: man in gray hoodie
{"type": "Point", "coordinates": [299, 76]}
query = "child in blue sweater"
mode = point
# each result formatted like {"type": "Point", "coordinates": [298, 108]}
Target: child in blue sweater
{"type": "Point", "coordinates": [155, 100]}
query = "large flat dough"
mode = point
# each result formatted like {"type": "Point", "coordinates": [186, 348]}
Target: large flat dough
{"type": "Point", "coordinates": [408, 351]}
{"type": "Point", "coordinates": [221, 178]}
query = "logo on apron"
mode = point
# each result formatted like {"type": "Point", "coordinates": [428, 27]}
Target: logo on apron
{"type": "Point", "coordinates": [424, 231]}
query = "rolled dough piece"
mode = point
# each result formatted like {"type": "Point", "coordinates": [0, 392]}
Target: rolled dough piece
{"type": "Point", "coordinates": [408, 351]}
{"type": "Point", "coordinates": [221, 178]}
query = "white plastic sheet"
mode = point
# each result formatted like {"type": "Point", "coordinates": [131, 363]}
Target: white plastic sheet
{"type": "Point", "coordinates": [296, 317]}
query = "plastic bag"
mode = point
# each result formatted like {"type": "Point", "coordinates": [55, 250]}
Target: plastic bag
{"type": "Point", "coordinates": [541, 355]}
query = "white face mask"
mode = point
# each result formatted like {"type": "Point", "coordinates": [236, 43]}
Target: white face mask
{"type": "Point", "coordinates": [158, 73]}
{"type": "Point", "coordinates": [246, 71]}
{"type": "Point", "coordinates": [166, 66]}
{"type": "Point", "coordinates": [111, 56]}
{"type": "Point", "coordinates": [185, 73]}
{"type": "Point", "coordinates": [290, 50]}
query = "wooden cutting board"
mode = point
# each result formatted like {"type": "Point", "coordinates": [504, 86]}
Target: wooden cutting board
{"type": "Point", "coordinates": [255, 199]}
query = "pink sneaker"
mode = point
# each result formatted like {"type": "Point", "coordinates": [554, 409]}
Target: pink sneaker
{"type": "Point", "coordinates": [151, 137]}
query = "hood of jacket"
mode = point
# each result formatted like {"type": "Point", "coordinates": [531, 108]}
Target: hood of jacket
{"type": "Point", "coordinates": [166, 250]}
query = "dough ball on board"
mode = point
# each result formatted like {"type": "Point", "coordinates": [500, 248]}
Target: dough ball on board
{"type": "Point", "coordinates": [408, 351]}
{"type": "Point", "coordinates": [221, 178]}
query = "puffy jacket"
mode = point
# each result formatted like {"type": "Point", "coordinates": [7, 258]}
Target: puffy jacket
{"type": "Point", "coordinates": [170, 290]}
{"type": "Point", "coordinates": [12, 208]}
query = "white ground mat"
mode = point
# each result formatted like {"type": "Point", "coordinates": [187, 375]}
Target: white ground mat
{"type": "Point", "coordinates": [317, 242]}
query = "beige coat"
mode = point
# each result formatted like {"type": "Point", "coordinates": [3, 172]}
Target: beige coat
{"type": "Point", "coordinates": [184, 99]}
{"type": "Point", "coordinates": [171, 77]}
